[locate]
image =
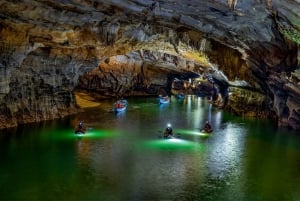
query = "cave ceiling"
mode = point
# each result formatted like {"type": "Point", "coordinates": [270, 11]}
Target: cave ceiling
{"type": "Point", "coordinates": [108, 28]}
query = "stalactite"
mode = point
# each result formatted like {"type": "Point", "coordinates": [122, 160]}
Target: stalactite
{"type": "Point", "coordinates": [109, 32]}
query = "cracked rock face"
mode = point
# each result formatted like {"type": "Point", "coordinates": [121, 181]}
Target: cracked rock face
{"type": "Point", "coordinates": [47, 45]}
{"type": "Point", "coordinates": [138, 73]}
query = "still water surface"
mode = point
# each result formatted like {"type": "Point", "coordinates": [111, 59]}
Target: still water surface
{"type": "Point", "coordinates": [123, 157]}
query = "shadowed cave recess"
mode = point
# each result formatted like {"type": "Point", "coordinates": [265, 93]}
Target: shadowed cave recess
{"type": "Point", "coordinates": [244, 56]}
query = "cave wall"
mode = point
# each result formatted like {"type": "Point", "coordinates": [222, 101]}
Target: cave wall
{"type": "Point", "coordinates": [46, 45]}
{"type": "Point", "coordinates": [138, 73]}
{"type": "Point", "coordinates": [231, 61]}
{"type": "Point", "coordinates": [40, 88]}
{"type": "Point", "coordinates": [267, 69]}
{"type": "Point", "coordinates": [40, 71]}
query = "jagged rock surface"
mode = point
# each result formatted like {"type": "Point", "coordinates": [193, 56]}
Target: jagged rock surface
{"type": "Point", "coordinates": [138, 73]}
{"type": "Point", "coordinates": [46, 45]}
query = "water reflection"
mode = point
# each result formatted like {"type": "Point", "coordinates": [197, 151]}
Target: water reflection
{"type": "Point", "coordinates": [226, 149]}
{"type": "Point", "coordinates": [125, 158]}
{"type": "Point", "coordinates": [121, 114]}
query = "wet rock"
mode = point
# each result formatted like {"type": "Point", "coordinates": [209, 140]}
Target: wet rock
{"type": "Point", "coordinates": [137, 73]}
{"type": "Point", "coordinates": [248, 103]}
{"type": "Point", "coordinates": [47, 45]}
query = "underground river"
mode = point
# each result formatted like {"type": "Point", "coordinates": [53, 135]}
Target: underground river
{"type": "Point", "coordinates": [123, 157]}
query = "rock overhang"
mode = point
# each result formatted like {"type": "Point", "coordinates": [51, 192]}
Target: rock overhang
{"type": "Point", "coordinates": [94, 30]}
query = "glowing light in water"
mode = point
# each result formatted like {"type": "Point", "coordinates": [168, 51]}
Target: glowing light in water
{"type": "Point", "coordinates": [175, 140]}
{"type": "Point", "coordinates": [193, 132]}
{"type": "Point", "coordinates": [90, 134]}
{"type": "Point", "coordinates": [171, 144]}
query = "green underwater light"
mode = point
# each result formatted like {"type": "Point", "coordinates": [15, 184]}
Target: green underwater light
{"type": "Point", "coordinates": [192, 132]}
{"type": "Point", "coordinates": [170, 144]}
{"type": "Point", "coordinates": [89, 134]}
{"type": "Point", "coordinates": [95, 133]}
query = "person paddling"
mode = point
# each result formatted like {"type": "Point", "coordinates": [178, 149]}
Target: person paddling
{"type": "Point", "coordinates": [168, 132]}
{"type": "Point", "coordinates": [207, 127]}
{"type": "Point", "coordinates": [80, 128]}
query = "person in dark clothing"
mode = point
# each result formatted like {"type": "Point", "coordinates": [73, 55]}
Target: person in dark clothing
{"type": "Point", "coordinates": [168, 132]}
{"type": "Point", "coordinates": [80, 125]}
{"type": "Point", "coordinates": [207, 127]}
{"type": "Point", "coordinates": [80, 128]}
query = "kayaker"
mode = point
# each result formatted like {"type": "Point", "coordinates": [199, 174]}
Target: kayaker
{"type": "Point", "coordinates": [168, 132]}
{"type": "Point", "coordinates": [207, 127]}
{"type": "Point", "coordinates": [80, 125]}
{"type": "Point", "coordinates": [80, 128]}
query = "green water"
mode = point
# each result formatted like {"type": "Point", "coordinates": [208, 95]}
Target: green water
{"type": "Point", "coordinates": [123, 157]}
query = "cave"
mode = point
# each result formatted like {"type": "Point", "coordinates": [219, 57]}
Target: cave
{"type": "Point", "coordinates": [150, 100]}
{"type": "Point", "coordinates": [52, 47]}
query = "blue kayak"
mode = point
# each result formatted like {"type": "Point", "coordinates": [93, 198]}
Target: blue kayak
{"type": "Point", "coordinates": [120, 105]}
{"type": "Point", "coordinates": [164, 100]}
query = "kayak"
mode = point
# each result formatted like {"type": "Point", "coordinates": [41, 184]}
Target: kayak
{"type": "Point", "coordinates": [170, 136]}
{"type": "Point", "coordinates": [206, 131]}
{"type": "Point", "coordinates": [164, 100]}
{"type": "Point", "coordinates": [120, 105]}
{"type": "Point", "coordinates": [120, 109]}
{"type": "Point", "coordinates": [79, 131]}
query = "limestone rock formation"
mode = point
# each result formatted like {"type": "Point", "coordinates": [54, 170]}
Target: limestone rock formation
{"type": "Point", "coordinates": [46, 45]}
{"type": "Point", "coordinates": [138, 73]}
